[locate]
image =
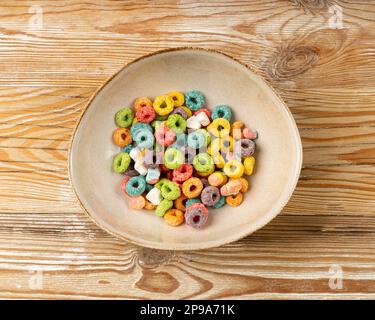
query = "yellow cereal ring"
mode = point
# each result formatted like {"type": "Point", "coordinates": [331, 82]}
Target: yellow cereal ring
{"type": "Point", "coordinates": [163, 105]}
{"type": "Point", "coordinates": [177, 97]}
{"type": "Point", "coordinates": [192, 187]}
{"type": "Point", "coordinates": [142, 102]}
{"type": "Point", "coordinates": [205, 174]}
{"type": "Point", "coordinates": [179, 203]}
{"type": "Point", "coordinates": [234, 200]}
{"type": "Point", "coordinates": [214, 146]}
{"type": "Point", "coordinates": [227, 144]}
{"type": "Point", "coordinates": [218, 160]}
{"type": "Point", "coordinates": [217, 179]}
{"type": "Point", "coordinates": [122, 137]}
{"type": "Point", "coordinates": [244, 183]}
{"type": "Point", "coordinates": [234, 169]}
{"type": "Point", "coordinates": [236, 130]}
{"type": "Point", "coordinates": [248, 164]}
{"type": "Point", "coordinates": [220, 127]}
{"type": "Point", "coordinates": [174, 217]}
{"type": "Point", "coordinates": [188, 111]}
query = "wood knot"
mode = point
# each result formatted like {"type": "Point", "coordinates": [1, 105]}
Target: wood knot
{"type": "Point", "coordinates": [151, 258]}
{"type": "Point", "coordinates": [312, 6]}
{"type": "Point", "coordinates": [292, 61]}
{"type": "Point", "coordinates": [161, 282]}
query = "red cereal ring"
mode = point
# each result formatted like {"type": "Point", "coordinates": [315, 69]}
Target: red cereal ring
{"type": "Point", "coordinates": [123, 185]}
{"type": "Point", "coordinates": [183, 173]}
{"type": "Point", "coordinates": [145, 114]}
{"type": "Point", "coordinates": [206, 111]}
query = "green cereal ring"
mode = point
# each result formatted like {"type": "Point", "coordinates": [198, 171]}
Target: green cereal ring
{"type": "Point", "coordinates": [177, 123]}
{"type": "Point", "coordinates": [139, 126]}
{"type": "Point", "coordinates": [170, 190]}
{"type": "Point", "coordinates": [191, 201]}
{"type": "Point", "coordinates": [195, 100]}
{"type": "Point", "coordinates": [203, 162]}
{"type": "Point", "coordinates": [222, 111]}
{"type": "Point", "coordinates": [121, 162]}
{"type": "Point", "coordinates": [163, 207]}
{"type": "Point", "coordinates": [196, 139]}
{"type": "Point", "coordinates": [160, 183]}
{"type": "Point", "coordinates": [220, 203]}
{"type": "Point", "coordinates": [124, 117]}
{"type": "Point", "coordinates": [173, 158]}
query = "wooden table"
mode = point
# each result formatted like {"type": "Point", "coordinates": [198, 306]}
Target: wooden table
{"type": "Point", "coordinates": [55, 54]}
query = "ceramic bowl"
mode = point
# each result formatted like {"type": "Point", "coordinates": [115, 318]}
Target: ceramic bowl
{"type": "Point", "coordinates": [223, 80]}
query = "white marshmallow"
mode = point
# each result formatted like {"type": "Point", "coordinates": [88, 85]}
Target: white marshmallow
{"type": "Point", "coordinates": [154, 196]}
{"type": "Point", "coordinates": [135, 154]}
{"type": "Point", "coordinates": [193, 123]}
{"type": "Point", "coordinates": [203, 119]}
{"type": "Point", "coordinates": [139, 166]}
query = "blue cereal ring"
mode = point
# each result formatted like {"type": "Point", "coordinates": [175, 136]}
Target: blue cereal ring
{"type": "Point", "coordinates": [220, 203]}
{"type": "Point", "coordinates": [192, 201]}
{"type": "Point", "coordinates": [128, 148]}
{"type": "Point", "coordinates": [136, 186]}
{"type": "Point", "coordinates": [144, 139]}
{"type": "Point", "coordinates": [139, 126]}
{"type": "Point", "coordinates": [196, 139]}
{"type": "Point", "coordinates": [222, 111]}
{"type": "Point", "coordinates": [195, 100]}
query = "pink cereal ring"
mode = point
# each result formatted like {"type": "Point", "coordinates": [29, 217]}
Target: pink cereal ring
{"type": "Point", "coordinates": [145, 114]}
{"type": "Point", "coordinates": [183, 173]}
{"type": "Point", "coordinates": [249, 133]}
{"type": "Point", "coordinates": [206, 111]}
{"type": "Point", "coordinates": [231, 188]}
{"type": "Point", "coordinates": [123, 184]}
{"type": "Point", "coordinates": [164, 136]}
{"type": "Point", "coordinates": [137, 203]}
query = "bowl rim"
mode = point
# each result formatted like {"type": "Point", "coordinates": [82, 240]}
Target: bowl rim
{"type": "Point", "coordinates": [275, 211]}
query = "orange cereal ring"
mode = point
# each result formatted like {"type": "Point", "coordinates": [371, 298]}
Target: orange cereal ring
{"type": "Point", "coordinates": [244, 183]}
{"type": "Point", "coordinates": [192, 187]}
{"type": "Point", "coordinates": [122, 137]}
{"type": "Point", "coordinates": [142, 102]}
{"type": "Point", "coordinates": [174, 217]}
{"type": "Point", "coordinates": [149, 205]}
{"type": "Point", "coordinates": [217, 179]}
{"type": "Point", "coordinates": [236, 130]}
{"type": "Point", "coordinates": [180, 202]}
{"type": "Point", "coordinates": [137, 203]}
{"type": "Point", "coordinates": [234, 200]}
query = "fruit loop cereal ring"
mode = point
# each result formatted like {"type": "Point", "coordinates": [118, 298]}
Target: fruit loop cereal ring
{"type": "Point", "coordinates": [220, 203]}
{"type": "Point", "coordinates": [181, 111]}
{"type": "Point", "coordinates": [247, 148]}
{"type": "Point", "coordinates": [196, 139]}
{"type": "Point", "coordinates": [196, 215]}
{"type": "Point", "coordinates": [227, 144]}
{"type": "Point", "coordinates": [180, 202]}
{"type": "Point", "coordinates": [222, 111]}
{"type": "Point", "coordinates": [149, 205]}
{"type": "Point", "coordinates": [218, 160]}
{"type": "Point", "coordinates": [161, 182]}
{"type": "Point", "coordinates": [164, 136]}
{"type": "Point", "coordinates": [163, 105]}
{"type": "Point", "coordinates": [231, 188]}
{"type": "Point", "coordinates": [123, 185]}
{"type": "Point", "coordinates": [128, 148]}
{"type": "Point", "coordinates": [144, 139]}
{"type": "Point", "coordinates": [249, 133]}
{"type": "Point", "coordinates": [189, 202]}
{"type": "Point", "coordinates": [141, 103]}
{"type": "Point", "coordinates": [122, 137]}
{"type": "Point", "coordinates": [195, 100]}
{"type": "Point", "coordinates": [188, 111]}
{"type": "Point", "coordinates": [170, 190]}
{"type": "Point", "coordinates": [249, 163]}
{"type": "Point", "coordinates": [136, 186]}
{"type": "Point", "coordinates": [183, 173]}
{"type": "Point", "coordinates": [220, 127]}
{"type": "Point", "coordinates": [139, 126]}
{"type": "Point", "coordinates": [234, 169]}
{"type": "Point", "coordinates": [137, 203]}
{"type": "Point", "coordinates": [244, 183]}
{"type": "Point", "coordinates": [124, 117]}
{"type": "Point", "coordinates": [217, 179]}
{"type": "Point", "coordinates": [121, 162]}
{"type": "Point", "coordinates": [192, 187]}
{"type": "Point", "coordinates": [180, 141]}
{"type": "Point", "coordinates": [163, 207]}
{"type": "Point", "coordinates": [173, 158]}
{"type": "Point", "coordinates": [174, 217]}
{"type": "Point", "coordinates": [177, 123]}
{"type": "Point", "coordinates": [145, 114]}
{"type": "Point", "coordinates": [210, 196]}
{"type": "Point", "coordinates": [204, 163]}
{"type": "Point", "coordinates": [234, 200]}
{"type": "Point", "coordinates": [177, 97]}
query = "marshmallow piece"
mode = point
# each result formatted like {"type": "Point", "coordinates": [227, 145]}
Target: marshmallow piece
{"type": "Point", "coordinates": [139, 166]}
{"type": "Point", "coordinates": [154, 196]}
{"type": "Point", "coordinates": [203, 119]}
{"type": "Point", "coordinates": [135, 154]}
{"type": "Point", "coordinates": [152, 176]}
{"type": "Point", "coordinates": [193, 123]}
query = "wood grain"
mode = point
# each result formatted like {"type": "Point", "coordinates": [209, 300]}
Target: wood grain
{"type": "Point", "coordinates": [325, 75]}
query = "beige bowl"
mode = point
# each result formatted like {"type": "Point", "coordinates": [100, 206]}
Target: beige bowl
{"type": "Point", "coordinates": [223, 81]}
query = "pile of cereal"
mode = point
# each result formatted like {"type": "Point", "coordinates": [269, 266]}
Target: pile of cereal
{"type": "Point", "coordinates": [180, 159]}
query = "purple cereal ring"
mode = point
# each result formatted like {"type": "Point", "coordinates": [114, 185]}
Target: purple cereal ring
{"type": "Point", "coordinates": [210, 196]}
{"type": "Point", "coordinates": [247, 147]}
{"type": "Point", "coordinates": [196, 215]}
{"type": "Point", "coordinates": [181, 112]}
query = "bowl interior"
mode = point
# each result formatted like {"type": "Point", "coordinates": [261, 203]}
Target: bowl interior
{"type": "Point", "coordinates": [223, 81]}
